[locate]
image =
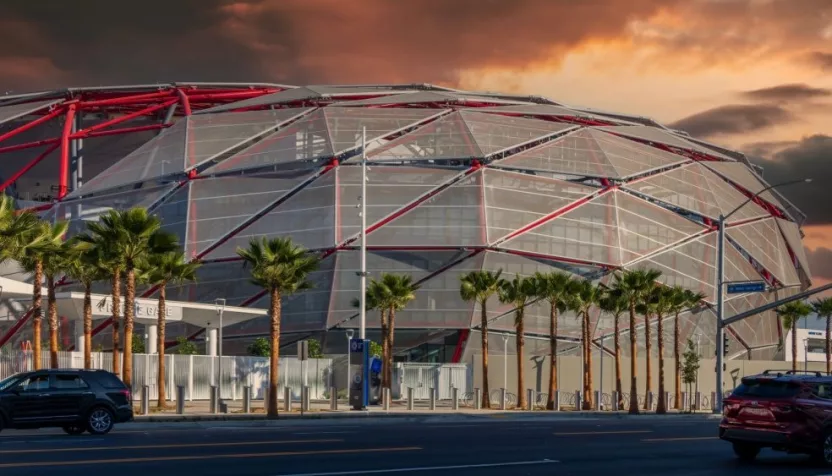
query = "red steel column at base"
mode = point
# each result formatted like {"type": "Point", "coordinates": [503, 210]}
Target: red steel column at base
{"type": "Point", "coordinates": [63, 171]}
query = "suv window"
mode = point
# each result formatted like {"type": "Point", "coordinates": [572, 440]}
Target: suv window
{"type": "Point", "coordinates": [69, 382]}
{"type": "Point", "coordinates": [34, 383]}
{"type": "Point", "coordinates": [766, 389]}
{"type": "Point", "coordinates": [108, 380]}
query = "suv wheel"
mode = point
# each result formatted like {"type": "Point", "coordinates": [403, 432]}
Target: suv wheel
{"type": "Point", "coordinates": [746, 452]}
{"type": "Point", "coordinates": [100, 421]}
{"type": "Point", "coordinates": [824, 455]}
{"type": "Point", "coordinates": [74, 429]}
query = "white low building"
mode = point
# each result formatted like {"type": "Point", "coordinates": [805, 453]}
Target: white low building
{"type": "Point", "coordinates": [810, 345]}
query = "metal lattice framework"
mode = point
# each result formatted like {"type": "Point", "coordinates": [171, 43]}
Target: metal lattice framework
{"type": "Point", "coordinates": [459, 181]}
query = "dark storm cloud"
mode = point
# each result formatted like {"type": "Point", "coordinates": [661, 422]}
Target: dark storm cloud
{"type": "Point", "coordinates": [808, 158]}
{"type": "Point", "coordinates": [821, 60]}
{"type": "Point", "coordinates": [733, 119]}
{"type": "Point", "coordinates": [820, 260]}
{"type": "Point", "coordinates": [787, 92]}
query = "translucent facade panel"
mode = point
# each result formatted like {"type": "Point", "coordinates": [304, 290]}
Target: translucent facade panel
{"type": "Point", "coordinates": [407, 98]}
{"type": "Point", "coordinates": [792, 233]}
{"type": "Point", "coordinates": [763, 241]}
{"type": "Point", "coordinates": [388, 190]}
{"type": "Point", "coordinates": [452, 217]}
{"type": "Point", "coordinates": [230, 281]}
{"type": "Point", "coordinates": [494, 133]}
{"type": "Point", "coordinates": [163, 155]}
{"type": "Point", "coordinates": [691, 265]}
{"type": "Point", "coordinates": [743, 176]}
{"type": "Point", "coordinates": [684, 187]}
{"type": "Point", "coordinates": [308, 218]}
{"type": "Point", "coordinates": [219, 205]}
{"type": "Point", "coordinates": [212, 134]}
{"type": "Point", "coordinates": [514, 200]}
{"type": "Point", "coordinates": [79, 212]}
{"type": "Point", "coordinates": [346, 123]}
{"type": "Point", "coordinates": [631, 158]}
{"type": "Point", "coordinates": [576, 154]}
{"type": "Point", "coordinates": [532, 346]}
{"type": "Point", "coordinates": [540, 110]}
{"type": "Point", "coordinates": [305, 139]}
{"type": "Point", "coordinates": [346, 282]}
{"type": "Point", "coordinates": [173, 213]}
{"type": "Point", "coordinates": [10, 113]}
{"type": "Point", "coordinates": [298, 94]}
{"type": "Point", "coordinates": [307, 310]}
{"type": "Point", "coordinates": [729, 198]}
{"type": "Point", "coordinates": [656, 135]}
{"type": "Point", "coordinates": [759, 329]}
{"type": "Point", "coordinates": [445, 138]}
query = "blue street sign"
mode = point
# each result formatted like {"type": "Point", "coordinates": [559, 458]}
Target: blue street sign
{"type": "Point", "coordinates": [749, 287]}
{"type": "Point", "coordinates": [357, 345]}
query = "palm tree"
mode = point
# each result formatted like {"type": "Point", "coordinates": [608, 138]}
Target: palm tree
{"type": "Point", "coordinates": [681, 299]}
{"type": "Point", "coordinates": [585, 294]}
{"type": "Point", "coordinates": [282, 268]}
{"type": "Point", "coordinates": [400, 291]}
{"type": "Point", "coordinates": [613, 303]}
{"type": "Point", "coordinates": [163, 269]}
{"type": "Point", "coordinates": [823, 308]}
{"type": "Point", "coordinates": [16, 230]}
{"type": "Point", "coordinates": [790, 313]}
{"type": "Point", "coordinates": [661, 303]}
{"type": "Point", "coordinates": [84, 265]}
{"type": "Point", "coordinates": [517, 292]}
{"type": "Point", "coordinates": [634, 286]}
{"type": "Point", "coordinates": [479, 286]}
{"type": "Point", "coordinates": [554, 288]}
{"type": "Point", "coordinates": [54, 262]}
{"type": "Point", "coordinates": [45, 239]}
{"type": "Point", "coordinates": [132, 236]}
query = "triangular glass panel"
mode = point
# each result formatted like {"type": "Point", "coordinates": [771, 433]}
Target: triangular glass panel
{"type": "Point", "coordinates": [219, 205]}
{"type": "Point", "coordinates": [210, 135]}
{"type": "Point", "coordinates": [445, 138]}
{"type": "Point", "coordinates": [308, 218]}
{"type": "Point", "coordinates": [691, 265]}
{"type": "Point", "coordinates": [684, 187]}
{"type": "Point", "coordinates": [10, 113]}
{"type": "Point", "coordinates": [346, 123]}
{"type": "Point", "coordinates": [405, 98]}
{"type": "Point", "coordinates": [494, 133]}
{"type": "Point", "coordinates": [631, 158]}
{"type": "Point", "coordinates": [280, 97]}
{"type": "Point", "coordinates": [742, 175]}
{"type": "Point", "coordinates": [792, 233]}
{"type": "Point", "coordinates": [161, 156]}
{"type": "Point", "coordinates": [514, 200]}
{"type": "Point", "coordinates": [231, 280]}
{"type": "Point", "coordinates": [660, 136]}
{"type": "Point", "coordinates": [541, 110]}
{"type": "Point", "coordinates": [173, 213]}
{"type": "Point", "coordinates": [729, 198]}
{"type": "Point", "coordinates": [452, 217]}
{"type": "Point", "coordinates": [80, 212]}
{"type": "Point", "coordinates": [577, 153]}
{"type": "Point", "coordinates": [763, 241]}
{"type": "Point", "coordinates": [759, 329]}
{"type": "Point", "coordinates": [388, 190]}
{"type": "Point", "coordinates": [306, 139]}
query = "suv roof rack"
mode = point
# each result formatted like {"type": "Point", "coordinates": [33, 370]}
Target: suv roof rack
{"type": "Point", "coordinates": [780, 373]}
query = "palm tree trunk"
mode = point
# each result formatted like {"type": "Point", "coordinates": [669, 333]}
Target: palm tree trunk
{"type": "Point", "coordinates": [588, 379]}
{"type": "Point", "coordinates": [52, 316]}
{"type": "Point", "coordinates": [87, 325]}
{"type": "Point", "coordinates": [160, 343]}
{"type": "Point", "coordinates": [391, 329]}
{"type": "Point", "coordinates": [116, 317]}
{"type": "Point", "coordinates": [384, 349]}
{"type": "Point", "coordinates": [617, 343]}
{"type": "Point", "coordinates": [129, 311]}
{"type": "Point", "coordinates": [794, 344]}
{"type": "Point", "coordinates": [521, 393]}
{"type": "Point", "coordinates": [486, 397]}
{"type": "Point", "coordinates": [828, 329]}
{"type": "Point", "coordinates": [662, 406]}
{"type": "Point", "coordinates": [274, 353]}
{"type": "Point", "coordinates": [648, 359]}
{"type": "Point", "coordinates": [37, 314]}
{"type": "Point", "coordinates": [553, 358]}
{"type": "Point", "coordinates": [633, 369]}
{"type": "Point", "coordinates": [677, 364]}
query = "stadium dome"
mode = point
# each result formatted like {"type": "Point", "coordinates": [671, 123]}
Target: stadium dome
{"type": "Point", "coordinates": [458, 181]}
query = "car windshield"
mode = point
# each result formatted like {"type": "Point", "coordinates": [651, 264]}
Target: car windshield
{"type": "Point", "coordinates": [766, 389]}
{"type": "Point", "coordinates": [8, 382]}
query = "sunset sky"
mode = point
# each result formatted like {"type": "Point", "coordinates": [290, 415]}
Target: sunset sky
{"type": "Point", "coordinates": [755, 75]}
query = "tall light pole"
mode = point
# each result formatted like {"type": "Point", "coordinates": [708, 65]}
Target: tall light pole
{"type": "Point", "coordinates": [720, 283]}
{"type": "Point", "coordinates": [219, 304]}
{"type": "Point", "coordinates": [363, 297]}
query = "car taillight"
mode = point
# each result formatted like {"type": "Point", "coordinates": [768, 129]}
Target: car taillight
{"type": "Point", "coordinates": [127, 395]}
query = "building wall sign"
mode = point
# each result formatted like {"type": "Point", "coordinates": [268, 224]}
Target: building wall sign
{"type": "Point", "coordinates": [143, 310]}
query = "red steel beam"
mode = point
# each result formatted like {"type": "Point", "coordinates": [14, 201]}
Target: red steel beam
{"type": "Point", "coordinates": [29, 125]}
{"type": "Point", "coordinates": [63, 170]}
{"type": "Point", "coordinates": [118, 120]}
{"type": "Point", "coordinates": [125, 100]}
{"type": "Point", "coordinates": [15, 328]}
{"type": "Point", "coordinates": [186, 104]}
{"type": "Point", "coordinates": [27, 167]}
{"type": "Point", "coordinates": [83, 135]}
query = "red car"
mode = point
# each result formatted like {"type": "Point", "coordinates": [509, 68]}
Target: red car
{"type": "Point", "coordinates": [783, 410]}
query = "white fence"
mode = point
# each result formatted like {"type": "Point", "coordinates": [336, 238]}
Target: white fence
{"type": "Point", "coordinates": [423, 377]}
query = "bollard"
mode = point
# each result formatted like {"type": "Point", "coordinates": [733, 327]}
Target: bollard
{"type": "Point", "coordinates": [615, 402]}
{"type": "Point", "coordinates": [385, 399]}
{"type": "Point", "coordinates": [145, 400]}
{"type": "Point", "coordinates": [287, 399]}
{"type": "Point", "coordinates": [180, 399]}
{"type": "Point", "coordinates": [266, 399]}
{"type": "Point", "coordinates": [477, 399]}
{"type": "Point", "coordinates": [713, 400]}
{"type": "Point", "coordinates": [410, 398]}
{"type": "Point", "coordinates": [304, 398]}
{"type": "Point", "coordinates": [649, 401]}
{"type": "Point", "coordinates": [697, 401]}
{"type": "Point", "coordinates": [578, 400]}
{"type": "Point", "coordinates": [557, 401]}
{"type": "Point", "coordinates": [247, 399]}
{"type": "Point", "coordinates": [432, 399]}
{"type": "Point", "coordinates": [454, 398]}
{"type": "Point", "coordinates": [530, 398]}
{"type": "Point", "coordinates": [213, 404]}
{"type": "Point", "coordinates": [503, 399]}
{"type": "Point", "coordinates": [597, 403]}
{"type": "Point", "coordinates": [684, 400]}
{"type": "Point", "coordinates": [333, 398]}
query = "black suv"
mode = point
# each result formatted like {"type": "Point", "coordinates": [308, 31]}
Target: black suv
{"type": "Point", "coordinates": [75, 400]}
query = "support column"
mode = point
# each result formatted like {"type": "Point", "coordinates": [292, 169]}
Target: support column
{"type": "Point", "coordinates": [152, 341]}
{"type": "Point", "coordinates": [79, 336]}
{"type": "Point", "coordinates": [211, 343]}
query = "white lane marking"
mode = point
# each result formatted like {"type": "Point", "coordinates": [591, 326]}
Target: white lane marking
{"type": "Point", "coordinates": [324, 432]}
{"type": "Point", "coordinates": [429, 468]}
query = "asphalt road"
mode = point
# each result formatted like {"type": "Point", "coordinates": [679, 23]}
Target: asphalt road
{"type": "Point", "coordinates": [481, 447]}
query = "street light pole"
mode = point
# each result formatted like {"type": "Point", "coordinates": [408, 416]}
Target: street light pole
{"type": "Point", "coordinates": [363, 298]}
{"type": "Point", "coordinates": [219, 303]}
{"type": "Point", "coordinates": [806, 355]}
{"type": "Point", "coordinates": [720, 284]}
{"type": "Point", "coordinates": [505, 362]}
